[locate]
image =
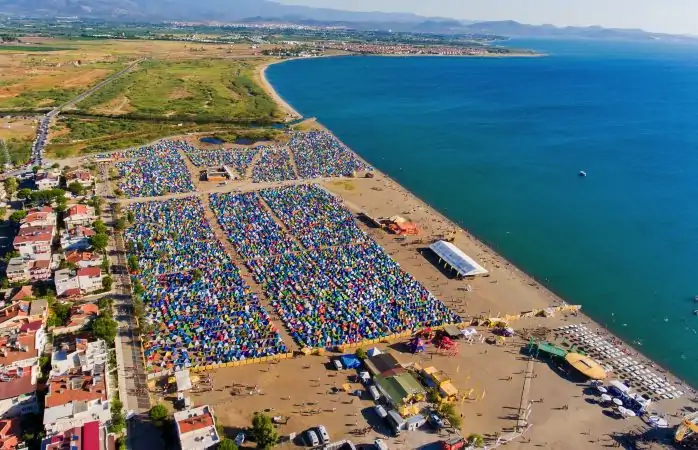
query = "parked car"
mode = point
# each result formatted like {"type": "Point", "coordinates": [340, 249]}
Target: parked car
{"type": "Point", "coordinates": [337, 364]}
{"type": "Point", "coordinates": [380, 445]}
{"type": "Point", "coordinates": [435, 421]}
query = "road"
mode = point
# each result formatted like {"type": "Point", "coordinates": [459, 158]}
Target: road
{"type": "Point", "coordinates": [42, 130]}
{"type": "Point", "coordinates": [141, 433]}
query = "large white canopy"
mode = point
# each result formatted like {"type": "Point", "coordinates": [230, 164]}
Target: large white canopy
{"type": "Point", "coordinates": [454, 257]}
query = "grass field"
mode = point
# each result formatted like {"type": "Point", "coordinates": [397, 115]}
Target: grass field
{"type": "Point", "coordinates": [202, 90]}
{"type": "Point", "coordinates": [73, 136]}
{"type": "Point", "coordinates": [32, 48]}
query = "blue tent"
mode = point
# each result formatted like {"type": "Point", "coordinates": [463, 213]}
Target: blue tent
{"type": "Point", "coordinates": [350, 361]}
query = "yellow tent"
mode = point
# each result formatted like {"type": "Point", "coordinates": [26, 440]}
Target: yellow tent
{"type": "Point", "coordinates": [586, 365]}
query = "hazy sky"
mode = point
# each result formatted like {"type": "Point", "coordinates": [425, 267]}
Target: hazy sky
{"type": "Point", "coordinates": [671, 16]}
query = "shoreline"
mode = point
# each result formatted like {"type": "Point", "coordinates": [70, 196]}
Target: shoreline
{"type": "Point", "coordinates": [523, 277]}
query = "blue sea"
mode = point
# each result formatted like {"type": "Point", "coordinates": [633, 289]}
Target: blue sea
{"type": "Point", "coordinates": [496, 144]}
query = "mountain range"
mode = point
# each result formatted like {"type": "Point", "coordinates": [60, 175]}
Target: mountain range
{"type": "Point", "coordinates": [267, 11]}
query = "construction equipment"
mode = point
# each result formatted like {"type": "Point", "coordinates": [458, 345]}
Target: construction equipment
{"type": "Point", "coordinates": [454, 443]}
{"type": "Point", "coordinates": [688, 428]}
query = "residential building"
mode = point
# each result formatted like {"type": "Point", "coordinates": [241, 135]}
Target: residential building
{"type": "Point", "coordinates": [23, 293]}
{"type": "Point", "coordinates": [84, 177]}
{"type": "Point", "coordinates": [78, 396]}
{"type": "Point", "coordinates": [18, 391]}
{"type": "Point", "coordinates": [89, 436]}
{"type": "Point", "coordinates": [46, 180]}
{"type": "Point", "coordinates": [21, 347]}
{"type": "Point", "coordinates": [79, 215]}
{"type": "Point", "coordinates": [17, 270]}
{"type": "Point", "coordinates": [67, 284]}
{"type": "Point", "coordinates": [90, 279]}
{"type": "Point", "coordinates": [35, 242]}
{"type": "Point", "coordinates": [15, 314]}
{"type": "Point", "coordinates": [78, 354]}
{"type": "Point", "coordinates": [10, 434]}
{"type": "Point", "coordinates": [196, 428]}
{"type": "Point", "coordinates": [40, 217]}
{"type": "Point", "coordinates": [24, 268]}
{"type": "Point", "coordinates": [83, 258]}
{"type": "Point", "coordinates": [77, 238]}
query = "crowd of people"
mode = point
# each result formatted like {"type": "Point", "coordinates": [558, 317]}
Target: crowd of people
{"type": "Point", "coordinates": [313, 215]}
{"type": "Point", "coordinates": [202, 311]}
{"type": "Point", "coordinates": [321, 154]}
{"type": "Point", "coordinates": [346, 294]}
{"type": "Point", "coordinates": [251, 229]}
{"type": "Point", "coordinates": [156, 170]}
{"type": "Point", "coordinates": [239, 160]}
{"type": "Point", "coordinates": [274, 165]}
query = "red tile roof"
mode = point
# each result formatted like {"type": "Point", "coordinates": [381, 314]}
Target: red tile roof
{"type": "Point", "coordinates": [10, 430]}
{"type": "Point", "coordinates": [76, 256]}
{"type": "Point", "coordinates": [60, 390]}
{"type": "Point", "coordinates": [75, 292]}
{"type": "Point", "coordinates": [32, 326]}
{"type": "Point", "coordinates": [76, 209]}
{"type": "Point", "coordinates": [195, 423]}
{"type": "Point", "coordinates": [18, 385]}
{"type": "Point", "coordinates": [24, 292]}
{"type": "Point", "coordinates": [89, 272]}
{"type": "Point", "coordinates": [83, 175]}
{"type": "Point", "coordinates": [10, 355]}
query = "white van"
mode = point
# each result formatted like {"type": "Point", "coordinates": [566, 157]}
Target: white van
{"type": "Point", "coordinates": [375, 395]}
{"type": "Point", "coordinates": [380, 411]}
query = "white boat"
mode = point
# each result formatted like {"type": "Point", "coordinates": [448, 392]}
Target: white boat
{"type": "Point", "coordinates": [582, 173]}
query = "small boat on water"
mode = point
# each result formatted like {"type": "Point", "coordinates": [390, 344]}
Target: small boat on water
{"type": "Point", "coordinates": [582, 173]}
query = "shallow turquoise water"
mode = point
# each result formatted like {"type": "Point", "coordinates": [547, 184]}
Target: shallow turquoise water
{"type": "Point", "coordinates": [497, 144]}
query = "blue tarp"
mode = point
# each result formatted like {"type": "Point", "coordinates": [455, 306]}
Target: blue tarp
{"type": "Point", "coordinates": [350, 361]}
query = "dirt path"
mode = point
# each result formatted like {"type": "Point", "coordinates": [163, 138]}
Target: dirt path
{"type": "Point", "coordinates": [292, 158]}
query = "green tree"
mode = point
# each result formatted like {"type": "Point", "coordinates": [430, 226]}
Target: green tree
{"type": "Point", "coordinates": [99, 226]}
{"type": "Point", "coordinates": [138, 307]}
{"type": "Point", "coordinates": [105, 328]}
{"type": "Point", "coordinates": [11, 184]}
{"type": "Point", "coordinates": [76, 188]}
{"type": "Point", "coordinates": [448, 411]}
{"type": "Point", "coordinates": [118, 420]}
{"type": "Point", "coordinates": [60, 314]}
{"type": "Point", "coordinates": [55, 166]}
{"type": "Point", "coordinates": [158, 413]}
{"type": "Point", "coordinates": [24, 193]}
{"type": "Point", "coordinates": [132, 263]}
{"type": "Point", "coordinates": [227, 444]}
{"type": "Point", "coordinates": [130, 216]}
{"type": "Point", "coordinates": [120, 224]}
{"type": "Point", "coordinates": [138, 288]}
{"type": "Point", "coordinates": [99, 242]}
{"type": "Point", "coordinates": [18, 216]}
{"type": "Point", "coordinates": [263, 432]}
{"type": "Point", "coordinates": [361, 353]}
{"type": "Point", "coordinates": [35, 169]}
{"type": "Point", "coordinates": [107, 283]}
{"type": "Point", "coordinates": [476, 440]}
{"type": "Point", "coordinates": [105, 264]}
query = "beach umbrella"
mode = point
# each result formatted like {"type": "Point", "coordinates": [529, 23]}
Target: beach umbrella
{"type": "Point", "coordinates": [618, 401]}
{"type": "Point", "coordinates": [601, 389]}
{"type": "Point", "coordinates": [606, 398]}
{"type": "Point", "coordinates": [630, 413]}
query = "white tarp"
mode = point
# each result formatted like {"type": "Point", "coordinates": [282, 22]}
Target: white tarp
{"type": "Point", "coordinates": [454, 257]}
{"type": "Point", "coordinates": [183, 380]}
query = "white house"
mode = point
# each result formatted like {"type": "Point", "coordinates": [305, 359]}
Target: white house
{"type": "Point", "coordinates": [46, 180]}
{"type": "Point", "coordinates": [196, 428]}
{"type": "Point", "coordinates": [79, 215]}
{"type": "Point", "coordinates": [82, 281]}
{"type": "Point", "coordinates": [67, 284]}
{"type": "Point", "coordinates": [90, 279]}
{"type": "Point", "coordinates": [78, 386]}
{"type": "Point", "coordinates": [34, 242]}
{"type": "Point", "coordinates": [40, 217]}
{"type": "Point", "coordinates": [77, 238]}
